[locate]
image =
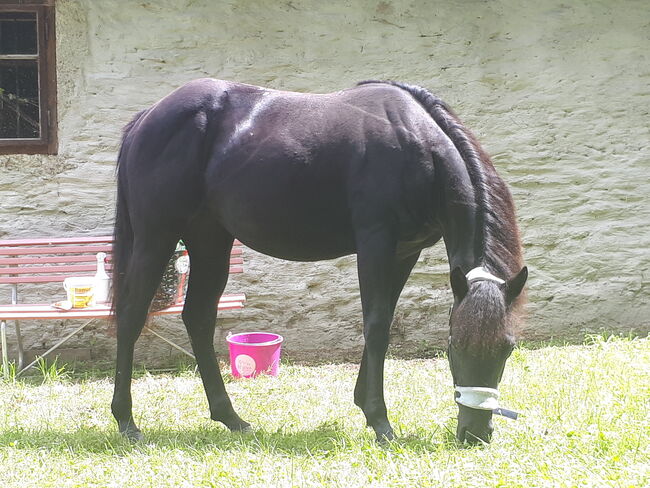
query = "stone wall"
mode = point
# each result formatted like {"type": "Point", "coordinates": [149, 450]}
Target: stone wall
{"type": "Point", "coordinates": [556, 91]}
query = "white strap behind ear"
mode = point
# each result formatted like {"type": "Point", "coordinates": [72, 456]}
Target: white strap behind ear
{"type": "Point", "coordinates": [482, 274]}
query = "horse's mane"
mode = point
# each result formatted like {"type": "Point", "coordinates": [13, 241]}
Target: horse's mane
{"type": "Point", "coordinates": [499, 243]}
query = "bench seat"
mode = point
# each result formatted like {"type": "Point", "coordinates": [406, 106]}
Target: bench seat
{"type": "Point", "coordinates": [47, 311]}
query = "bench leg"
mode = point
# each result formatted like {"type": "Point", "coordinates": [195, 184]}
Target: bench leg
{"type": "Point", "coordinates": [5, 356]}
{"type": "Point", "coordinates": [19, 343]}
{"type": "Point", "coordinates": [5, 353]}
{"type": "Point", "coordinates": [171, 343]}
{"type": "Point", "coordinates": [19, 337]}
{"type": "Point", "coordinates": [54, 347]}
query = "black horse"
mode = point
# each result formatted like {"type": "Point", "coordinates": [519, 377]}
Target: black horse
{"type": "Point", "coordinates": [382, 170]}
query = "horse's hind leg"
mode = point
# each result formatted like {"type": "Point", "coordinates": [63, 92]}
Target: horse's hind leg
{"type": "Point", "coordinates": [145, 269]}
{"type": "Point", "coordinates": [209, 248]}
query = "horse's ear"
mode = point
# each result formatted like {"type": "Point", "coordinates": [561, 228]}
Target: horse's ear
{"type": "Point", "coordinates": [459, 284]}
{"type": "Point", "coordinates": [515, 285]}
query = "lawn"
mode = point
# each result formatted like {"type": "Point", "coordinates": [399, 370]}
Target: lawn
{"type": "Point", "coordinates": [585, 422]}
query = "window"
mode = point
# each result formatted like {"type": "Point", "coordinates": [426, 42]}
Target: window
{"type": "Point", "coordinates": [27, 77]}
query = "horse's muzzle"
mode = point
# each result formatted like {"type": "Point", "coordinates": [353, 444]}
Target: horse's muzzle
{"type": "Point", "coordinates": [474, 426]}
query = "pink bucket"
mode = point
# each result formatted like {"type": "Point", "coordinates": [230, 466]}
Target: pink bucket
{"type": "Point", "coordinates": [253, 353]}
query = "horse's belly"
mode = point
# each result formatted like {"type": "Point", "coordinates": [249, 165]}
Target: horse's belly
{"type": "Point", "coordinates": [289, 235]}
{"type": "Point", "coordinates": [297, 248]}
{"type": "Point", "coordinates": [292, 239]}
{"type": "Point", "coordinates": [285, 212]}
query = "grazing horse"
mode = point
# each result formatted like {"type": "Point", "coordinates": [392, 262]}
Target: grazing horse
{"type": "Point", "coordinates": [383, 170]}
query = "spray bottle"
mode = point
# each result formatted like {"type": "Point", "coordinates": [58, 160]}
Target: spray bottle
{"type": "Point", "coordinates": [102, 280]}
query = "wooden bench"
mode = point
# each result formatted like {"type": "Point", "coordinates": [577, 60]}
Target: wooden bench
{"type": "Point", "coordinates": [32, 262]}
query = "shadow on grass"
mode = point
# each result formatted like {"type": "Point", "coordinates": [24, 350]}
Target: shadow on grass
{"type": "Point", "coordinates": [81, 372]}
{"type": "Point", "coordinates": [327, 438]}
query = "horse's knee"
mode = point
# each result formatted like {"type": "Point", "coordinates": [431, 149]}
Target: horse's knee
{"type": "Point", "coordinates": [128, 334]}
{"type": "Point", "coordinates": [377, 341]}
{"type": "Point", "coordinates": [199, 320]}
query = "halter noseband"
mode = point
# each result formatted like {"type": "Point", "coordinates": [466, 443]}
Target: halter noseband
{"type": "Point", "coordinates": [480, 397]}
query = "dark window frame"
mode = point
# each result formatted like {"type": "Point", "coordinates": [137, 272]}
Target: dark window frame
{"type": "Point", "coordinates": [45, 21]}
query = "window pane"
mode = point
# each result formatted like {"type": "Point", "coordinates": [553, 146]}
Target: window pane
{"type": "Point", "coordinates": [19, 108]}
{"type": "Point", "coordinates": [18, 33]}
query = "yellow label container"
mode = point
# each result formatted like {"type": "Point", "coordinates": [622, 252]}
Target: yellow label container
{"type": "Point", "coordinates": [80, 290]}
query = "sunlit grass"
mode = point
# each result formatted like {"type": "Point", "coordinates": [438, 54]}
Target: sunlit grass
{"type": "Point", "coordinates": [585, 422]}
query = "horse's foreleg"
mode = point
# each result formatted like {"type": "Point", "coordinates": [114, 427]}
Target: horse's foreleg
{"type": "Point", "coordinates": [145, 270]}
{"type": "Point", "coordinates": [377, 267]}
{"type": "Point", "coordinates": [402, 271]}
{"type": "Point", "coordinates": [209, 261]}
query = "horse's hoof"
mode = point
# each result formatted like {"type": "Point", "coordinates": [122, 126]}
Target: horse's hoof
{"type": "Point", "coordinates": [238, 425]}
{"type": "Point", "coordinates": [130, 431]}
{"type": "Point", "coordinates": [133, 435]}
{"type": "Point", "coordinates": [385, 436]}
{"type": "Point", "coordinates": [245, 429]}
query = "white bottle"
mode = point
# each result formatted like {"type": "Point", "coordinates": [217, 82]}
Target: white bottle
{"type": "Point", "coordinates": [102, 280]}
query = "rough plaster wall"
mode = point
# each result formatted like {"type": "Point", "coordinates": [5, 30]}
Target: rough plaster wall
{"type": "Point", "coordinates": [557, 92]}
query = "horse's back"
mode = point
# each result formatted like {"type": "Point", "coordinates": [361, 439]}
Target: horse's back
{"type": "Point", "coordinates": [294, 173]}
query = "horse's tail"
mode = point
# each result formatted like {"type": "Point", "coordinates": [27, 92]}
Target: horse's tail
{"type": "Point", "coordinates": [123, 231]}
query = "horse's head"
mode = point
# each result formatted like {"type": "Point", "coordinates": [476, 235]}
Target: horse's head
{"type": "Point", "coordinates": [480, 341]}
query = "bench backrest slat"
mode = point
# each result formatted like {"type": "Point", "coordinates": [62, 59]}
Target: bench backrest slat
{"type": "Point", "coordinates": [9, 280]}
{"type": "Point", "coordinates": [64, 241]}
{"type": "Point", "coordinates": [63, 269]}
{"type": "Point", "coordinates": [67, 269]}
{"type": "Point", "coordinates": [88, 258]}
{"type": "Point", "coordinates": [23, 251]}
{"type": "Point", "coordinates": [53, 260]}
{"type": "Point", "coordinates": [56, 241]}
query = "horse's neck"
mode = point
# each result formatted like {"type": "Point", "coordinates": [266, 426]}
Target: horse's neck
{"type": "Point", "coordinates": [460, 243]}
{"type": "Point", "coordinates": [462, 228]}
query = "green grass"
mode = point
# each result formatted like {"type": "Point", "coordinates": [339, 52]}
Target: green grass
{"type": "Point", "coordinates": [585, 422]}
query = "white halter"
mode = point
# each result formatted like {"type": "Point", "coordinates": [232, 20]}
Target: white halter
{"type": "Point", "coordinates": [482, 398]}
{"type": "Point", "coordinates": [479, 397]}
